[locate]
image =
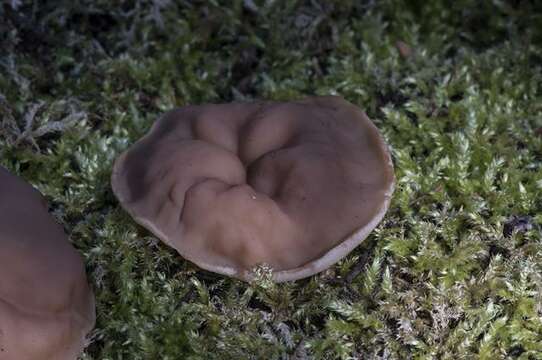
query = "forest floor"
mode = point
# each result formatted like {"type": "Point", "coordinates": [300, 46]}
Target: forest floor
{"type": "Point", "coordinates": [453, 271]}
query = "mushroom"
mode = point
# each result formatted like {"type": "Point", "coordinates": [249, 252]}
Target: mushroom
{"type": "Point", "coordinates": [46, 305]}
{"type": "Point", "coordinates": [293, 185]}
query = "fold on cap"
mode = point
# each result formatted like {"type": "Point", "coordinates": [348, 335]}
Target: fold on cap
{"type": "Point", "coordinates": [294, 185]}
{"type": "Point", "coordinates": [46, 305]}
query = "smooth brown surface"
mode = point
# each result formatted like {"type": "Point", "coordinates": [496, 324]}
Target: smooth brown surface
{"type": "Point", "coordinates": [231, 186]}
{"type": "Point", "coordinates": [46, 305]}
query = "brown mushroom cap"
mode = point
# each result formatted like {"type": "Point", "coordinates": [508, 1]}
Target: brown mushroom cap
{"type": "Point", "coordinates": [46, 305]}
{"type": "Point", "coordinates": [294, 185]}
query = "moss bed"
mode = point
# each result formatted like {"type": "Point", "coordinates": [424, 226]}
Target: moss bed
{"type": "Point", "coordinates": [453, 271]}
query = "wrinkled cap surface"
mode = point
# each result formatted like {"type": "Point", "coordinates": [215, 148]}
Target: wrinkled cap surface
{"type": "Point", "coordinates": [294, 185]}
{"type": "Point", "coordinates": [46, 305]}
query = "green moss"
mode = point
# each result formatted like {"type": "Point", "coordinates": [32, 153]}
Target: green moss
{"type": "Point", "coordinates": [439, 278]}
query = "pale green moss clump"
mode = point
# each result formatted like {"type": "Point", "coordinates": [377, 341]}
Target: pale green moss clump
{"type": "Point", "coordinates": [455, 269]}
